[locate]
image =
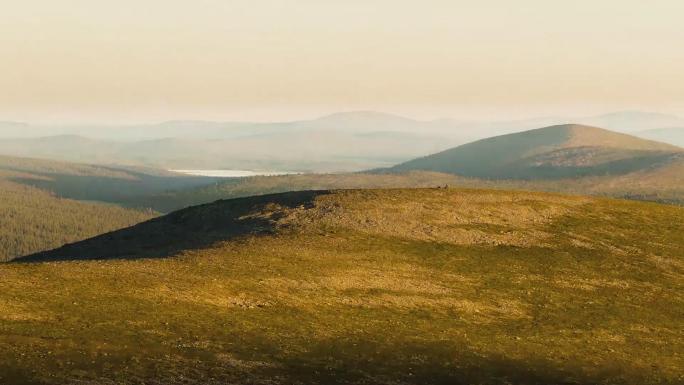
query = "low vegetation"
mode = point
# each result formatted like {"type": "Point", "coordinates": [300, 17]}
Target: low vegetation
{"type": "Point", "coordinates": [424, 286]}
{"type": "Point", "coordinates": [258, 185]}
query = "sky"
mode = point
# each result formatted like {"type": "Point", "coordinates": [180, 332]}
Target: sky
{"type": "Point", "coordinates": [152, 60]}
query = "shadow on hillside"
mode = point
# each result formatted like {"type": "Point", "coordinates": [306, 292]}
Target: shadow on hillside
{"type": "Point", "coordinates": [436, 363]}
{"type": "Point", "coordinates": [191, 228]}
{"type": "Point", "coordinates": [637, 162]}
{"type": "Point", "coordinates": [361, 361]}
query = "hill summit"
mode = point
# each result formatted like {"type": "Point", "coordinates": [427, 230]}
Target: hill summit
{"type": "Point", "coordinates": [401, 286]}
{"type": "Point", "coordinates": [560, 151]}
{"type": "Point", "coordinates": [421, 214]}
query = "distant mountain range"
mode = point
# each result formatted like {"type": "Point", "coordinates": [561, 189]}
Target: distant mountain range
{"type": "Point", "coordinates": [341, 142]}
{"type": "Point", "coordinates": [349, 122]}
{"type": "Point", "coordinates": [355, 122]}
{"type": "Point", "coordinates": [349, 141]}
{"type": "Point", "coordinates": [312, 151]}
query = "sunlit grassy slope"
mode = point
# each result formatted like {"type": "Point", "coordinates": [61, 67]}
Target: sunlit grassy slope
{"type": "Point", "coordinates": [424, 286]}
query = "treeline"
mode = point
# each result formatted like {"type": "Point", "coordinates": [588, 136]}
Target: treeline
{"type": "Point", "coordinates": [33, 220]}
{"type": "Point", "coordinates": [663, 190]}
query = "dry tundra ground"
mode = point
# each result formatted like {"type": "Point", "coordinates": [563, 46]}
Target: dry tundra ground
{"type": "Point", "coordinates": [424, 286]}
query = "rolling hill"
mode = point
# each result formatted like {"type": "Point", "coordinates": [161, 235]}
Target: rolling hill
{"type": "Point", "coordinates": [424, 286]}
{"type": "Point", "coordinates": [555, 152]}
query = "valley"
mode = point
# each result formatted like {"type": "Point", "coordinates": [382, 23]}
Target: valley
{"type": "Point", "coordinates": [568, 159]}
{"type": "Point", "coordinates": [317, 192]}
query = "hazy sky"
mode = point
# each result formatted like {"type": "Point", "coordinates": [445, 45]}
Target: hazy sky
{"type": "Point", "coordinates": [146, 60]}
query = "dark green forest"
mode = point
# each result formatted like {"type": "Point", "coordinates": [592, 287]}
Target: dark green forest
{"type": "Point", "coordinates": [32, 220]}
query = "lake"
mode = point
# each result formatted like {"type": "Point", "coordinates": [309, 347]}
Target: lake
{"type": "Point", "coordinates": [231, 173]}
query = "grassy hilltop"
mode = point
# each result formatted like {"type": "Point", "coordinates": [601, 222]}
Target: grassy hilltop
{"type": "Point", "coordinates": [362, 286]}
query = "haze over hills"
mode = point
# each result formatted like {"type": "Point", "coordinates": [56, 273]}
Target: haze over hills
{"type": "Point", "coordinates": [426, 286]}
{"type": "Point", "coordinates": [631, 121]}
{"type": "Point", "coordinates": [554, 152]}
{"type": "Point", "coordinates": [351, 121]}
{"type": "Point", "coordinates": [341, 142]}
{"type": "Point", "coordinates": [294, 152]}
{"type": "Point", "coordinates": [348, 141]}
{"type": "Point", "coordinates": [622, 121]}
{"type": "Point", "coordinates": [672, 135]}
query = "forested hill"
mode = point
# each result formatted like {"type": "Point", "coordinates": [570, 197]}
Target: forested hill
{"type": "Point", "coordinates": [36, 212]}
{"type": "Point", "coordinates": [32, 220]}
{"type": "Point", "coordinates": [113, 184]}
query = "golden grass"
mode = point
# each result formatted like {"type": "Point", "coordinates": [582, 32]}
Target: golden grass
{"type": "Point", "coordinates": [328, 298]}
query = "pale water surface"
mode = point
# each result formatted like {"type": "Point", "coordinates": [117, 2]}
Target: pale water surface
{"type": "Point", "coordinates": [231, 173]}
